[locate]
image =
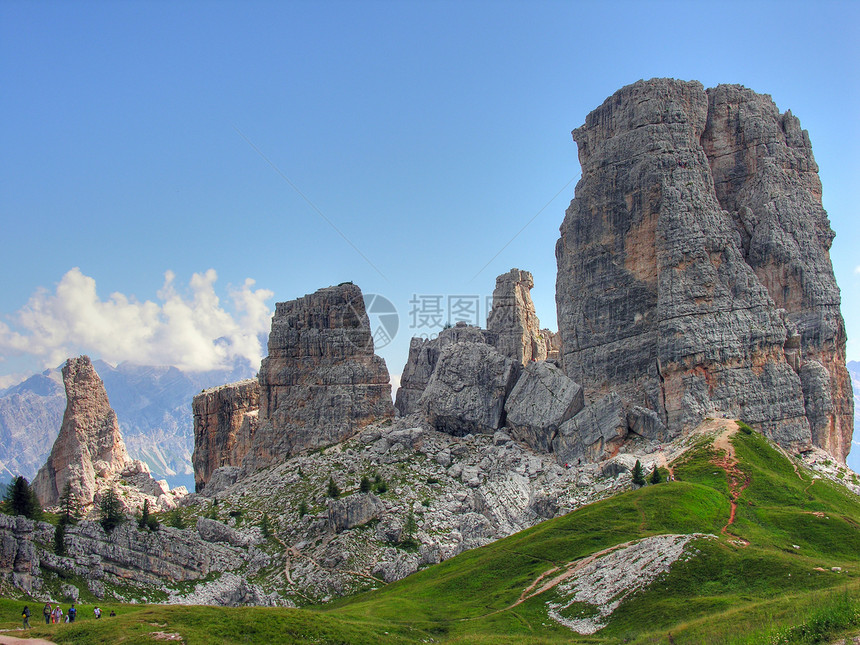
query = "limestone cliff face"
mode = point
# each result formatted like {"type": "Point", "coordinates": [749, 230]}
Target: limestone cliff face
{"type": "Point", "coordinates": [321, 381]}
{"type": "Point", "coordinates": [89, 443]}
{"type": "Point", "coordinates": [514, 320]}
{"type": "Point", "coordinates": [225, 420]}
{"type": "Point", "coordinates": [424, 354]}
{"type": "Point", "coordinates": [766, 177]}
{"type": "Point", "coordinates": [693, 267]}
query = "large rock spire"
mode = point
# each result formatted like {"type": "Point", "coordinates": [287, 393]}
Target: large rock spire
{"type": "Point", "coordinates": [693, 267]}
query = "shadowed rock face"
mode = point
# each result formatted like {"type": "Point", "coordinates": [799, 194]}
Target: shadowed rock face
{"type": "Point", "coordinates": [225, 420]}
{"type": "Point", "coordinates": [89, 443]}
{"type": "Point", "coordinates": [321, 382]}
{"type": "Point", "coordinates": [693, 267]}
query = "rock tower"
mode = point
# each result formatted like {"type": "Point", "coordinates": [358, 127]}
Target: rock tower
{"type": "Point", "coordinates": [694, 275]}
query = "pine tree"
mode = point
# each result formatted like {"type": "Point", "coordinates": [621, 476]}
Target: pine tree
{"type": "Point", "coordinates": [21, 500]}
{"type": "Point", "coordinates": [333, 491]}
{"type": "Point", "coordinates": [110, 511]}
{"type": "Point", "coordinates": [638, 474]}
{"type": "Point", "coordinates": [409, 527]}
{"type": "Point", "coordinates": [265, 527]}
{"type": "Point", "coordinates": [655, 476]}
{"type": "Point", "coordinates": [364, 486]}
{"type": "Point", "coordinates": [303, 508]}
{"type": "Point", "coordinates": [60, 538]}
{"type": "Point", "coordinates": [68, 506]}
{"type": "Point", "coordinates": [143, 520]}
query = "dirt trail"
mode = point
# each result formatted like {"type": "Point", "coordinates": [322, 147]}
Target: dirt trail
{"type": "Point", "coordinates": [737, 480]}
{"type": "Point", "coordinates": [11, 640]}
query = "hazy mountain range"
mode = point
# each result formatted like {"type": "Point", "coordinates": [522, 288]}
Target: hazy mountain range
{"type": "Point", "coordinates": [153, 404]}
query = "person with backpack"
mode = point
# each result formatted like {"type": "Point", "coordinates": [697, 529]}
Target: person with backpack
{"type": "Point", "coordinates": [72, 613]}
{"type": "Point", "coordinates": [98, 612]}
{"type": "Point", "coordinates": [25, 615]}
{"type": "Point", "coordinates": [46, 612]}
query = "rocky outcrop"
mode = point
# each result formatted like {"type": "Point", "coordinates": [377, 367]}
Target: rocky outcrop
{"type": "Point", "coordinates": [552, 339]}
{"type": "Point", "coordinates": [423, 356]}
{"type": "Point", "coordinates": [321, 382]}
{"type": "Point", "coordinates": [225, 420]}
{"type": "Point", "coordinates": [352, 511]}
{"type": "Point", "coordinates": [467, 391]}
{"type": "Point", "coordinates": [680, 259]}
{"type": "Point", "coordinates": [513, 318]}
{"type": "Point", "coordinates": [540, 402]}
{"type": "Point", "coordinates": [89, 443]}
{"type": "Point", "coordinates": [594, 434]}
{"type": "Point", "coordinates": [19, 559]}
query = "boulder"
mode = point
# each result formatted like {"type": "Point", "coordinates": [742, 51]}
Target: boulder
{"type": "Point", "coordinates": [352, 511]}
{"type": "Point", "coordinates": [423, 356]}
{"type": "Point", "coordinates": [215, 531]}
{"type": "Point", "coordinates": [542, 399]}
{"type": "Point", "coordinates": [467, 391]}
{"type": "Point", "coordinates": [594, 434]}
{"type": "Point", "coordinates": [646, 423]}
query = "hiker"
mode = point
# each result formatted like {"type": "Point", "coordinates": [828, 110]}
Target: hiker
{"type": "Point", "coordinates": [97, 612]}
{"type": "Point", "coordinates": [25, 615]}
{"type": "Point", "coordinates": [73, 613]}
{"type": "Point", "coordinates": [112, 612]}
{"type": "Point", "coordinates": [58, 615]}
{"type": "Point", "coordinates": [46, 612]}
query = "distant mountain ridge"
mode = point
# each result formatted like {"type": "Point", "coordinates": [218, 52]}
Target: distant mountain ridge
{"type": "Point", "coordinates": [153, 404]}
{"type": "Point", "coordinates": [853, 460]}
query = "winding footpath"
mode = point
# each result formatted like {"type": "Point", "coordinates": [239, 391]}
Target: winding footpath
{"type": "Point", "coordinates": [738, 481]}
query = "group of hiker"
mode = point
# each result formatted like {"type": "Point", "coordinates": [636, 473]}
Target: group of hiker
{"type": "Point", "coordinates": [54, 614]}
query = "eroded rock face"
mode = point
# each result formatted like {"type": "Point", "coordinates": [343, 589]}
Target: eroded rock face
{"type": "Point", "coordinates": [225, 420]}
{"type": "Point", "coordinates": [594, 434]}
{"type": "Point", "coordinates": [321, 382]}
{"type": "Point", "coordinates": [542, 399]}
{"type": "Point", "coordinates": [513, 318]}
{"type": "Point", "coordinates": [766, 177]}
{"type": "Point", "coordinates": [423, 356]}
{"type": "Point", "coordinates": [467, 391]}
{"type": "Point", "coordinates": [685, 308]}
{"type": "Point", "coordinates": [89, 443]}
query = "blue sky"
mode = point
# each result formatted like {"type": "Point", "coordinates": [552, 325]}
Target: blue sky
{"type": "Point", "coordinates": [427, 133]}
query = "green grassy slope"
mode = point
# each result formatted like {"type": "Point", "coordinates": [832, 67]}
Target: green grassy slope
{"type": "Point", "coordinates": [771, 570]}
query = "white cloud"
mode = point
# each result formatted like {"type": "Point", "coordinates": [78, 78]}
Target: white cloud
{"type": "Point", "coordinates": [193, 331]}
{"type": "Point", "coordinates": [857, 270]}
{"type": "Point", "coordinates": [395, 385]}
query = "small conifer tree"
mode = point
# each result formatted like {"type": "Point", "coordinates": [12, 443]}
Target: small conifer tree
{"type": "Point", "coordinates": [333, 491]}
{"type": "Point", "coordinates": [303, 508]}
{"type": "Point", "coordinates": [68, 506]}
{"type": "Point", "coordinates": [110, 511]}
{"type": "Point", "coordinates": [364, 485]}
{"type": "Point", "coordinates": [655, 476]}
{"type": "Point", "coordinates": [143, 520]}
{"type": "Point", "coordinates": [20, 499]}
{"type": "Point", "coordinates": [60, 539]}
{"type": "Point", "coordinates": [265, 526]}
{"type": "Point", "coordinates": [638, 474]}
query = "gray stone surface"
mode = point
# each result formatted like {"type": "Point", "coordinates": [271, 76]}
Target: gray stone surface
{"type": "Point", "coordinates": [423, 356]}
{"type": "Point", "coordinates": [352, 511]}
{"type": "Point", "coordinates": [680, 262]}
{"type": "Point", "coordinates": [594, 434]}
{"type": "Point", "coordinates": [466, 393]}
{"type": "Point", "coordinates": [542, 399]}
{"type": "Point", "coordinates": [225, 421]}
{"type": "Point", "coordinates": [215, 531]}
{"type": "Point", "coordinates": [513, 318]}
{"type": "Point", "coordinates": [221, 479]}
{"type": "Point", "coordinates": [646, 423]}
{"type": "Point", "coordinates": [321, 382]}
